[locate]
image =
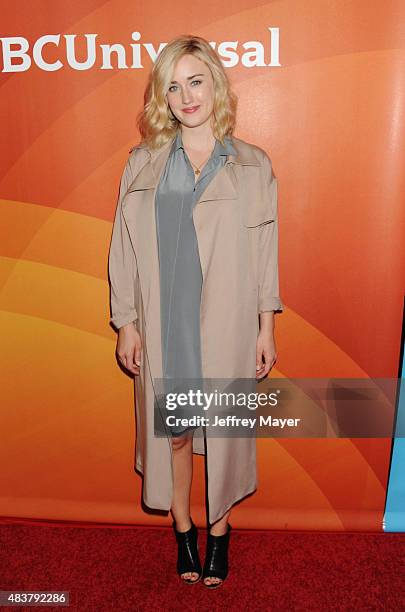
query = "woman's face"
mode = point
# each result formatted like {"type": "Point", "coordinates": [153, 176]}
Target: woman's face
{"type": "Point", "coordinates": [192, 86]}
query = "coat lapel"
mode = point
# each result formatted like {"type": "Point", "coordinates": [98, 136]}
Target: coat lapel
{"type": "Point", "coordinates": [149, 175]}
{"type": "Point", "coordinates": [221, 187]}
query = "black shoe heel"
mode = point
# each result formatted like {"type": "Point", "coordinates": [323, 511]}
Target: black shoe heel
{"type": "Point", "coordinates": [188, 559]}
{"type": "Point", "coordinates": [216, 559]}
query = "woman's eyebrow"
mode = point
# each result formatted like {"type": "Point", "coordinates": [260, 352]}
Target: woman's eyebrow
{"type": "Point", "coordinates": [190, 77]}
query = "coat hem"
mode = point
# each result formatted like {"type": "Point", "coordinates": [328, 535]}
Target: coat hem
{"type": "Point", "coordinates": [229, 505]}
{"type": "Point", "coordinates": [218, 515]}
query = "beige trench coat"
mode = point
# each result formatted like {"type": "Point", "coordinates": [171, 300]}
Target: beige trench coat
{"type": "Point", "coordinates": [237, 233]}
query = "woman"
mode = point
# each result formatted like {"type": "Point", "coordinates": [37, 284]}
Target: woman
{"type": "Point", "coordinates": [193, 268]}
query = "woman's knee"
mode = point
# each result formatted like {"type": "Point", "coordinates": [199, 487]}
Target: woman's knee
{"type": "Point", "coordinates": [181, 441]}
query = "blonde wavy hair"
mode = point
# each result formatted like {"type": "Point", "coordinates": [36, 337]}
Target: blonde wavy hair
{"type": "Point", "coordinates": [156, 122]}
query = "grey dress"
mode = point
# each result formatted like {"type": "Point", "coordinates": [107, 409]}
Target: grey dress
{"type": "Point", "coordinates": [180, 267]}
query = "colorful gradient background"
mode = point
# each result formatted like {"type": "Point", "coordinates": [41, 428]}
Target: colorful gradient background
{"type": "Point", "coordinates": [331, 118]}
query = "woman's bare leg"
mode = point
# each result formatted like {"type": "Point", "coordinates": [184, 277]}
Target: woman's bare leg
{"type": "Point", "coordinates": [218, 528]}
{"type": "Point", "coordinates": [182, 479]}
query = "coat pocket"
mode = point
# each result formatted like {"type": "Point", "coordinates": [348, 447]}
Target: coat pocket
{"type": "Point", "coordinates": [256, 215]}
{"type": "Point", "coordinates": [263, 209]}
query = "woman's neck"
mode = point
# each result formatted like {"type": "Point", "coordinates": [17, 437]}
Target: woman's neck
{"type": "Point", "coordinates": [198, 139]}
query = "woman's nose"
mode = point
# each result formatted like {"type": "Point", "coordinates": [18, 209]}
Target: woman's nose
{"type": "Point", "coordinates": [186, 96]}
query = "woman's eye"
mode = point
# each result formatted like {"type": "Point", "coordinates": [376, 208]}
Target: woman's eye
{"type": "Point", "coordinates": [173, 87]}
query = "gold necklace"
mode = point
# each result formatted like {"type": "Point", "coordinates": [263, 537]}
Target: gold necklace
{"type": "Point", "coordinates": [198, 170]}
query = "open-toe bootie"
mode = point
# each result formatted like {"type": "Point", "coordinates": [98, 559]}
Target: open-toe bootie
{"type": "Point", "coordinates": [188, 559]}
{"type": "Point", "coordinates": [216, 558]}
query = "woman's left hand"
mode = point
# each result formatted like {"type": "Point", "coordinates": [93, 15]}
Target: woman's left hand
{"type": "Point", "coordinates": [265, 348]}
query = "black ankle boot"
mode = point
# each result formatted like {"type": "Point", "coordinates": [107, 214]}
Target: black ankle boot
{"type": "Point", "coordinates": [216, 558]}
{"type": "Point", "coordinates": [188, 559]}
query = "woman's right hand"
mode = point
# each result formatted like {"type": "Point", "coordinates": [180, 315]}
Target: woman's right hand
{"type": "Point", "coordinates": [129, 348]}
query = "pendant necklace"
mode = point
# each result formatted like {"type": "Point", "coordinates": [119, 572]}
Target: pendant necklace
{"type": "Point", "coordinates": [197, 172]}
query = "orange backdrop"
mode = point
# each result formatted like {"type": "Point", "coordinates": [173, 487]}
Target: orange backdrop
{"type": "Point", "coordinates": [331, 118]}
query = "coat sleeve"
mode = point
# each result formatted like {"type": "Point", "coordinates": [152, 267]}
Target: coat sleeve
{"type": "Point", "coordinates": [269, 298]}
{"type": "Point", "coordinates": [122, 268]}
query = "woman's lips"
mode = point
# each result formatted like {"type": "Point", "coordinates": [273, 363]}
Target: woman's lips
{"type": "Point", "coordinates": [190, 110]}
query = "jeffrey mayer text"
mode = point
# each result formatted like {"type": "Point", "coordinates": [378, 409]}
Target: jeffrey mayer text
{"type": "Point", "coordinates": [231, 421]}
